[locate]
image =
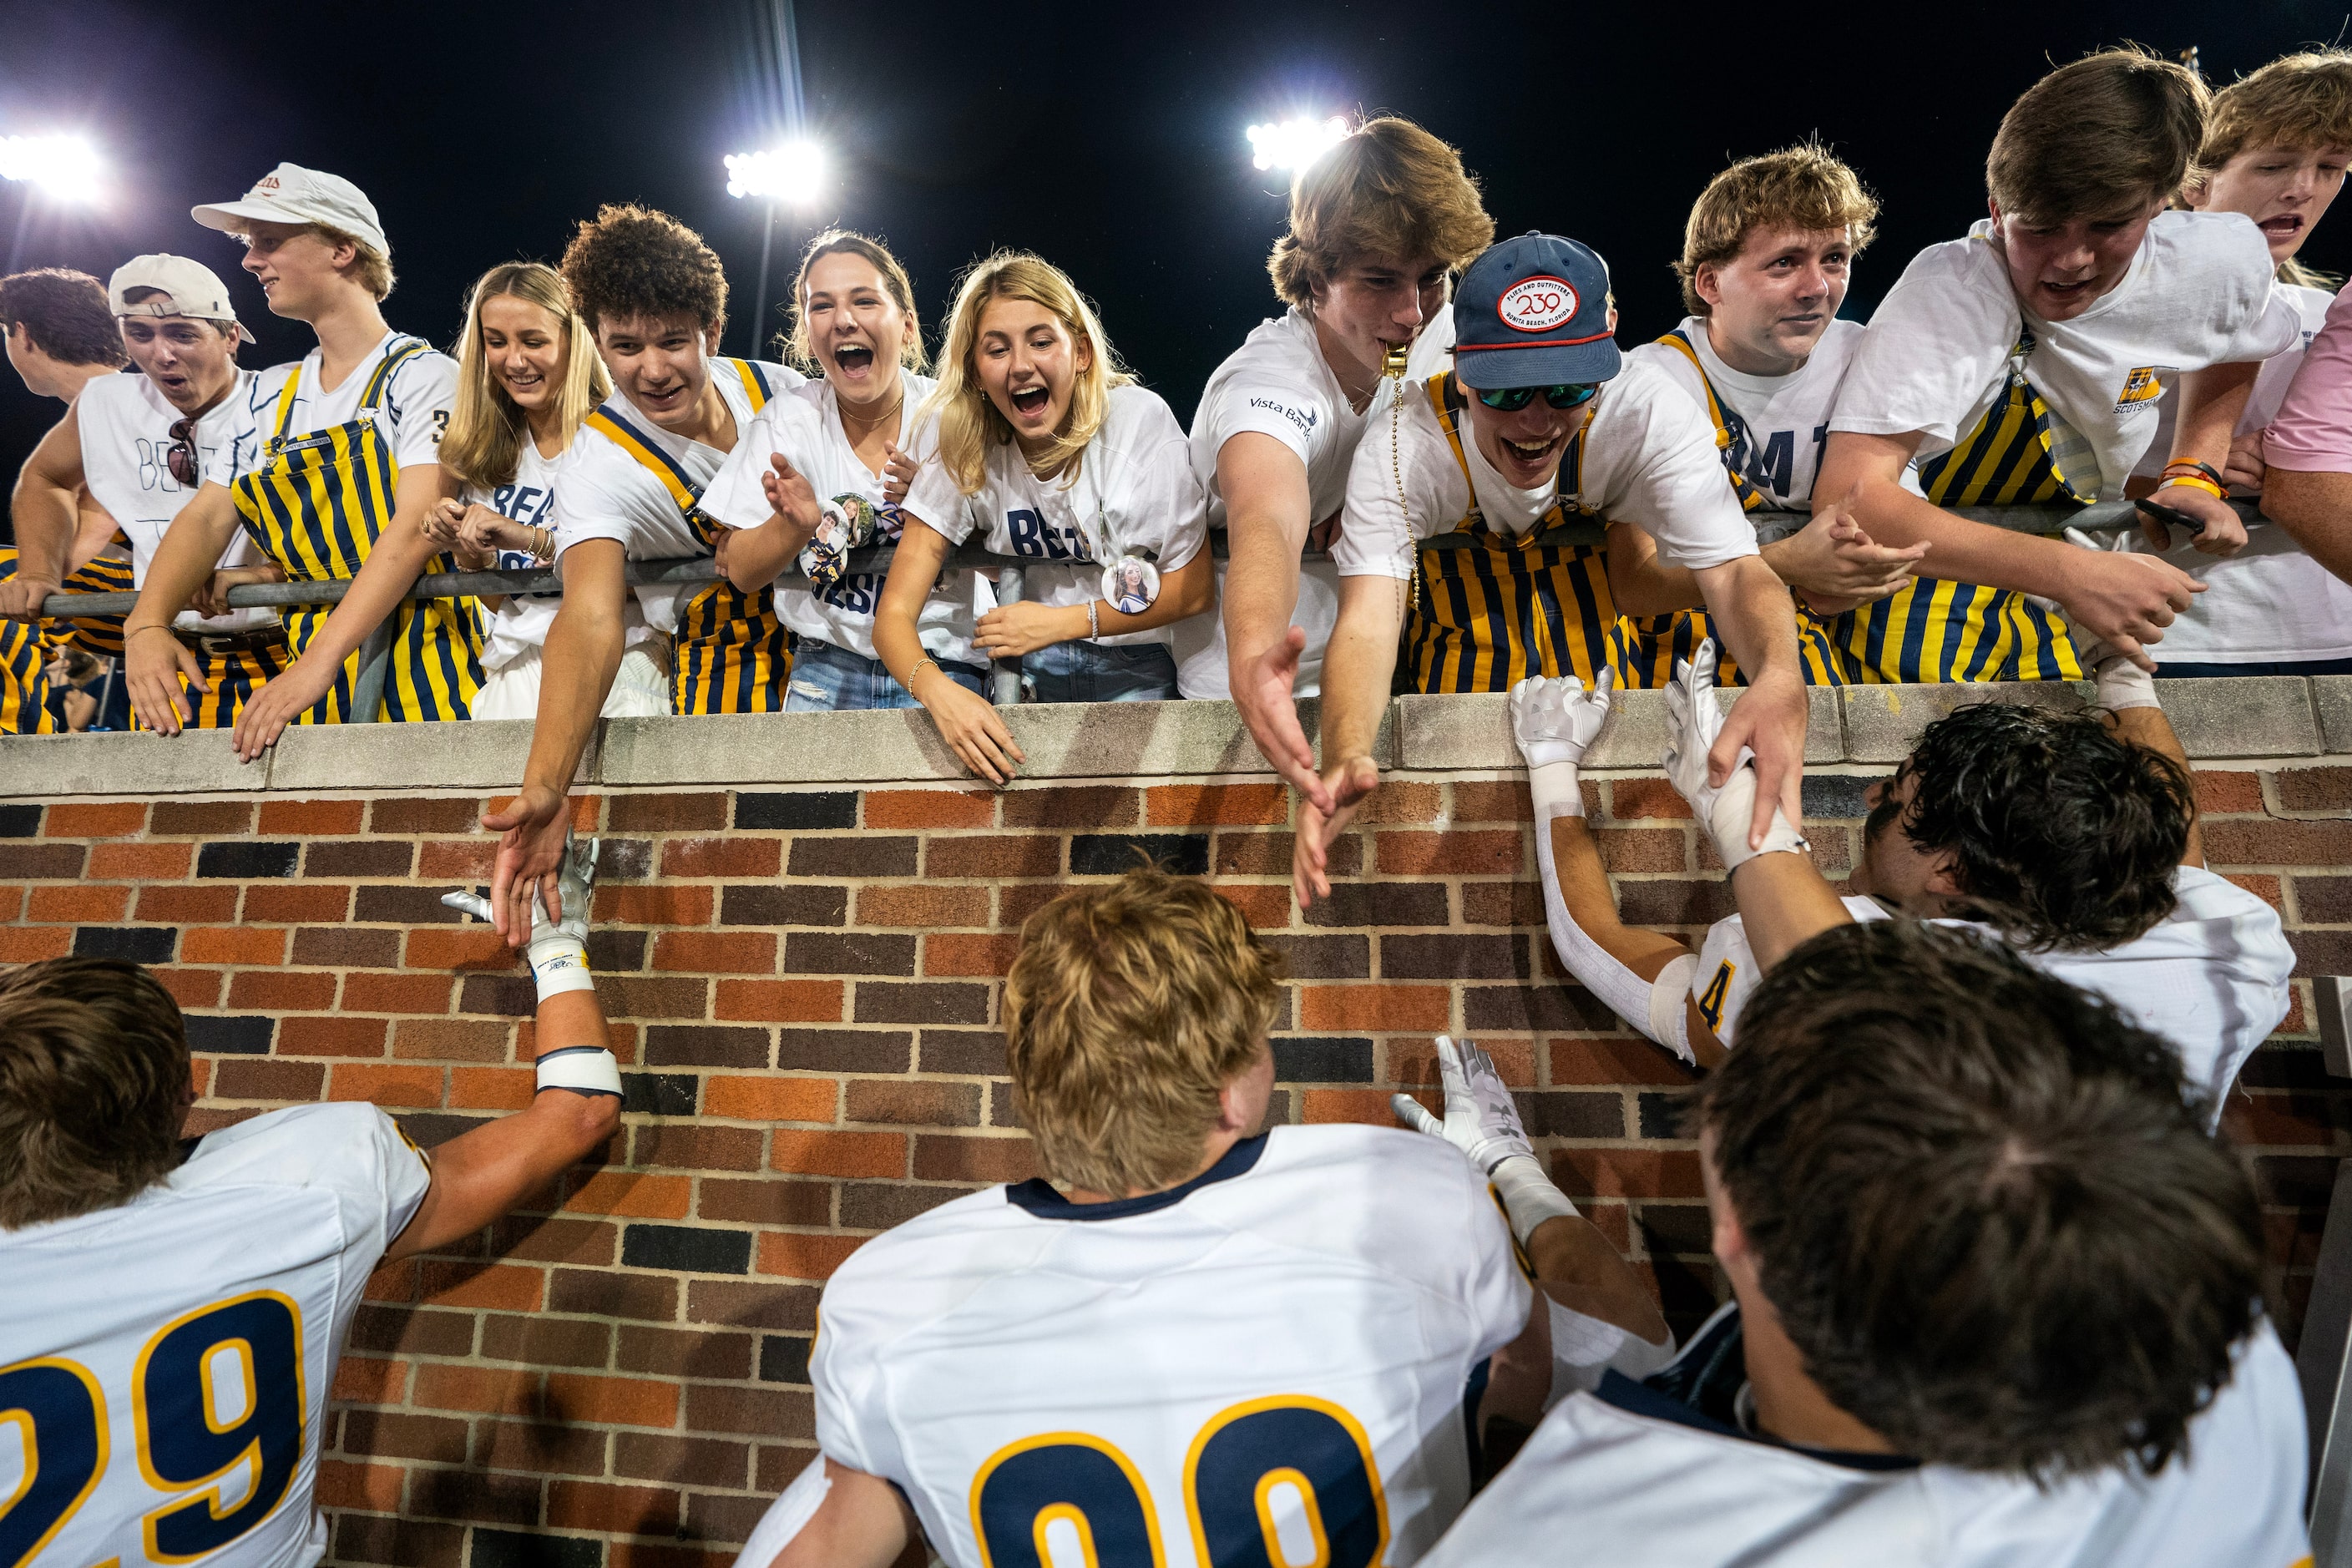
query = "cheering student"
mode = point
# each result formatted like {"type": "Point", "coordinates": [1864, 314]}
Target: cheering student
{"type": "Point", "coordinates": [2023, 364]}
{"type": "Point", "coordinates": [142, 446]}
{"type": "Point", "coordinates": [527, 375]}
{"type": "Point", "coordinates": [1467, 528]}
{"type": "Point", "coordinates": [655, 297]}
{"type": "Point", "coordinates": [854, 323]}
{"type": "Point", "coordinates": [335, 456]}
{"type": "Point", "coordinates": [1037, 440]}
{"type": "Point", "coordinates": [1194, 1341]}
{"type": "Point", "coordinates": [1996, 1300]}
{"type": "Point", "coordinates": [2276, 145]}
{"type": "Point", "coordinates": [1377, 225]}
{"type": "Point", "coordinates": [1767, 254]}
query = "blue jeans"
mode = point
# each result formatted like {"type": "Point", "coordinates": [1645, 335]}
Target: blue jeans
{"type": "Point", "coordinates": [1084, 671]}
{"type": "Point", "coordinates": [829, 680]}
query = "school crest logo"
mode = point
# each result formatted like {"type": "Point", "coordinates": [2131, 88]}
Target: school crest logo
{"type": "Point", "coordinates": [1537, 304]}
{"type": "Point", "coordinates": [2144, 385]}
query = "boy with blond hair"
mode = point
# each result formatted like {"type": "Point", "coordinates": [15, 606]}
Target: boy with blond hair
{"type": "Point", "coordinates": [1193, 1342]}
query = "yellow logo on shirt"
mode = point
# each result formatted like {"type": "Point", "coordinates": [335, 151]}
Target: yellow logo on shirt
{"type": "Point", "coordinates": [2144, 384]}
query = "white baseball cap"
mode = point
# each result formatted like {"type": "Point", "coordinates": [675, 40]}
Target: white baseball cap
{"type": "Point", "coordinates": [292, 194]}
{"type": "Point", "coordinates": [185, 288]}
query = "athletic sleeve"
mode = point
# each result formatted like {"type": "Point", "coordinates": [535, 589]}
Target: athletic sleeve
{"type": "Point", "coordinates": [1934, 347]}
{"type": "Point", "coordinates": [1497, 1295]}
{"type": "Point", "coordinates": [1663, 472]}
{"type": "Point", "coordinates": [2313, 430]}
{"type": "Point", "coordinates": [424, 393]}
{"type": "Point", "coordinates": [933, 496]}
{"type": "Point", "coordinates": [1376, 530]}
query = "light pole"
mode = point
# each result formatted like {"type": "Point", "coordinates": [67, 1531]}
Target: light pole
{"type": "Point", "coordinates": [793, 174]}
{"type": "Point", "coordinates": [1292, 144]}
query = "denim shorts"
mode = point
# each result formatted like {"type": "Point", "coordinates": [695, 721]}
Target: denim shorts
{"type": "Point", "coordinates": [1084, 671]}
{"type": "Point", "coordinates": [830, 680]}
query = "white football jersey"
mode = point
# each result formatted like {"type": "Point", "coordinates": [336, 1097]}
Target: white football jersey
{"type": "Point", "coordinates": [124, 423]}
{"type": "Point", "coordinates": [1268, 1362]}
{"type": "Point", "coordinates": [1632, 1474]}
{"type": "Point", "coordinates": [1776, 425]}
{"type": "Point", "coordinates": [2211, 976]}
{"type": "Point", "coordinates": [168, 1361]}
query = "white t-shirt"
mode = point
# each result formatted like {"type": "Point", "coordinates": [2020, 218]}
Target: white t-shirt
{"type": "Point", "coordinates": [608, 494]}
{"type": "Point", "coordinates": [235, 1278]}
{"type": "Point", "coordinates": [1936, 355]}
{"type": "Point", "coordinates": [1649, 460]}
{"type": "Point", "coordinates": [806, 427]}
{"type": "Point", "coordinates": [1134, 491]}
{"type": "Point", "coordinates": [1631, 1475]}
{"type": "Point", "coordinates": [1278, 383]}
{"type": "Point", "coordinates": [2269, 603]}
{"type": "Point", "coordinates": [125, 425]}
{"type": "Point", "coordinates": [1778, 424]}
{"type": "Point", "coordinates": [521, 620]}
{"type": "Point", "coordinates": [414, 408]}
{"type": "Point", "coordinates": [2211, 976]}
{"type": "Point", "coordinates": [1316, 1300]}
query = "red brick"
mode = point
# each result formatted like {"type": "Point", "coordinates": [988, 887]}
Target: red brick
{"type": "Point", "coordinates": [722, 856]}
{"type": "Point", "coordinates": [1374, 1006]}
{"type": "Point", "coordinates": [930, 808]}
{"type": "Point", "coordinates": [809, 1154]}
{"type": "Point", "coordinates": [30, 944]}
{"type": "Point", "coordinates": [497, 1391]}
{"type": "Point", "coordinates": [2266, 843]}
{"type": "Point", "coordinates": [1196, 806]}
{"type": "Point", "coordinates": [404, 1087]}
{"type": "Point", "coordinates": [617, 1401]}
{"type": "Point", "coordinates": [282, 990]}
{"type": "Point", "coordinates": [266, 1078]}
{"type": "Point", "coordinates": [233, 944]}
{"type": "Point", "coordinates": [1365, 1105]}
{"type": "Point", "coordinates": [503, 1286]}
{"type": "Point", "coordinates": [967, 954]}
{"type": "Point", "coordinates": [456, 859]}
{"type": "Point", "coordinates": [88, 903]}
{"type": "Point", "coordinates": [2299, 789]}
{"type": "Point", "coordinates": [427, 815]}
{"type": "Point", "coordinates": [954, 1159]}
{"type": "Point", "coordinates": [456, 1039]}
{"type": "Point", "coordinates": [370, 1488]}
{"type": "Point", "coordinates": [312, 819]}
{"type": "Point", "coordinates": [924, 907]}
{"type": "Point", "coordinates": [459, 947]}
{"type": "Point", "coordinates": [1475, 854]}
{"type": "Point", "coordinates": [734, 952]}
{"type": "Point", "coordinates": [666, 813]}
{"type": "Point", "coordinates": [490, 1089]}
{"type": "Point", "coordinates": [1612, 1061]}
{"type": "Point", "coordinates": [2228, 790]}
{"type": "Point", "coordinates": [1412, 1061]}
{"type": "Point", "coordinates": [294, 903]}
{"type": "Point", "coordinates": [994, 855]}
{"type": "Point", "coordinates": [96, 819]}
{"type": "Point", "coordinates": [1091, 808]}
{"type": "Point", "coordinates": [2264, 888]}
{"type": "Point", "coordinates": [653, 906]}
{"type": "Point", "coordinates": [1265, 905]}
{"type": "Point", "coordinates": [641, 1555]}
{"type": "Point", "coordinates": [778, 1001]}
{"type": "Point", "coordinates": [366, 1380]}
{"type": "Point", "coordinates": [616, 1510]}
{"type": "Point", "coordinates": [199, 1074]}
{"type": "Point", "coordinates": [140, 862]}
{"type": "Point", "coordinates": [639, 1195]}
{"type": "Point", "coordinates": [1628, 1172]}
{"type": "Point", "coordinates": [1631, 800]}
{"type": "Point", "coordinates": [189, 987]}
{"type": "Point", "coordinates": [1492, 800]}
{"type": "Point", "coordinates": [200, 818]}
{"type": "Point", "coordinates": [1398, 802]}
{"type": "Point", "coordinates": [922, 1103]}
{"type": "Point", "coordinates": [745, 1097]}
{"type": "Point", "coordinates": [367, 992]}
{"type": "Point", "coordinates": [332, 1037]}
{"type": "Point", "coordinates": [188, 906]}
{"type": "Point", "coordinates": [800, 1254]}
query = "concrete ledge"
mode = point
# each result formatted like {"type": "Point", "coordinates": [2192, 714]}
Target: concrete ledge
{"type": "Point", "coordinates": [2225, 719]}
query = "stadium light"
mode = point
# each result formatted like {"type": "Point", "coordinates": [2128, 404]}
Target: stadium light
{"type": "Point", "coordinates": [793, 174]}
{"type": "Point", "coordinates": [1294, 143]}
{"type": "Point", "coordinates": [65, 168]}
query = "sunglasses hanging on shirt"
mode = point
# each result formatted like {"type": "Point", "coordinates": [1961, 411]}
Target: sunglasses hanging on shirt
{"type": "Point", "coordinates": [180, 458]}
{"type": "Point", "coordinates": [1511, 399]}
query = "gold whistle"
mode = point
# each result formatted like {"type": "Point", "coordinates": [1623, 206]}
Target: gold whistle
{"type": "Point", "coordinates": [1393, 362]}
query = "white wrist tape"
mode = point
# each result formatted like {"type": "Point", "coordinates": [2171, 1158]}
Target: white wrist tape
{"type": "Point", "coordinates": [559, 963]}
{"type": "Point", "coordinates": [1556, 791]}
{"type": "Point", "coordinates": [589, 1069]}
{"type": "Point", "coordinates": [2122, 684]}
{"type": "Point", "coordinates": [1669, 1005]}
{"type": "Point", "coordinates": [1527, 1195]}
{"type": "Point", "coordinates": [1728, 823]}
{"type": "Point", "coordinates": [786, 1517]}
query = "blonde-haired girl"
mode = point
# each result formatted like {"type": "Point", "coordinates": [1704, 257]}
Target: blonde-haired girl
{"type": "Point", "coordinates": [528, 374]}
{"type": "Point", "coordinates": [1036, 437]}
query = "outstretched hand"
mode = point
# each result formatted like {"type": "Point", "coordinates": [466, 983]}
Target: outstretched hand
{"type": "Point", "coordinates": [529, 863]}
{"type": "Point", "coordinates": [1347, 785]}
{"type": "Point", "coordinates": [1264, 690]}
{"type": "Point", "coordinates": [1481, 1118]}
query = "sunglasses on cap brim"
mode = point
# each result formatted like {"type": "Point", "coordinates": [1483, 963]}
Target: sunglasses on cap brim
{"type": "Point", "coordinates": [1511, 399]}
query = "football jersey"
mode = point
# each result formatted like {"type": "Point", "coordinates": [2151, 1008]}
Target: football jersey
{"type": "Point", "coordinates": [1777, 425]}
{"type": "Point", "coordinates": [521, 621]}
{"type": "Point", "coordinates": [417, 401]}
{"type": "Point", "coordinates": [1635, 1473]}
{"type": "Point", "coordinates": [1277, 1351]}
{"type": "Point", "coordinates": [124, 423]}
{"type": "Point", "coordinates": [165, 1364]}
{"type": "Point", "coordinates": [608, 494]}
{"type": "Point", "coordinates": [2210, 977]}
{"type": "Point", "coordinates": [1278, 383]}
{"type": "Point", "coordinates": [1649, 459]}
{"type": "Point", "coordinates": [1937, 355]}
{"type": "Point", "coordinates": [806, 427]}
{"type": "Point", "coordinates": [1135, 492]}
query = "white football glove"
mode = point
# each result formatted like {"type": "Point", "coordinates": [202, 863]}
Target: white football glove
{"type": "Point", "coordinates": [1483, 1121]}
{"type": "Point", "coordinates": [1694, 720]}
{"type": "Point", "coordinates": [2119, 683]}
{"type": "Point", "coordinates": [558, 950]}
{"type": "Point", "coordinates": [1554, 719]}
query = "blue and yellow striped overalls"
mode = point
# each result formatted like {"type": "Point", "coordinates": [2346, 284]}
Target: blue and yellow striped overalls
{"type": "Point", "coordinates": [733, 654]}
{"type": "Point", "coordinates": [1647, 649]}
{"type": "Point", "coordinates": [23, 655]}
{"type": "Point", "coordinates": [315, 505]}
{"type": "Point", "coordinates": [1489, 607]}
{"type": "Point", "coordinates": [100, 635]}
{"type": "Point", "coordinates": [1937, 630]}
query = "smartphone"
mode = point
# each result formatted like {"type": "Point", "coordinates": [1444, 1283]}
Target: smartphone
{"type": "Point", "coordinates": [2170, 514]}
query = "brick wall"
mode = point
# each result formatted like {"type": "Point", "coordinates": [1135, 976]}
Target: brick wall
{"type": "Point", "coordinates": [804, 986]}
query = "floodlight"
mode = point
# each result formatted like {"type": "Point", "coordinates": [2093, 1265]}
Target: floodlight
{"type": "Point", "coordinates": [64, 167]}
{"type": "Point", "coordinates": [791, 173]}
{"type": "Point", "coordinates": [1294, 143]}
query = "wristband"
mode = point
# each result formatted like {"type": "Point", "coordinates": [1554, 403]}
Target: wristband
{"type": "Point", "coordinates": [1093, 625]}
{"type": "Point", "coordinates": [583, 1069]}
{"type": "Point", "coordinates": [2193, 466]}
{"type": "Point", "coordinates": [1556, 791]}
{"type": "Point", "coordinates": [1735, 809]}
{"type": "Point", "coordinates": [2197, 482]}
{"type": "Point", "coordinates": [1528, 1195]}
{"type": "Point", "coordinates": [918, 670]}
{"type": "Point", "coordinates": [559, 963]}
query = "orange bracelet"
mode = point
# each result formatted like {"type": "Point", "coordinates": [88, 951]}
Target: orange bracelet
{"type": "Point", "coordinates": [2196, 482]}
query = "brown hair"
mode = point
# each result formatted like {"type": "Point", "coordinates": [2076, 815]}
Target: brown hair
{"type": "Point", "coordinates": [837, 241]}
{"type": "Point", "coordinates": [1127, 1011]}
{"type": "Point", "coordinates": [487, 431]}
{"type": "Point", "coordinates": [93, 1087]}
{"type": "Point", "coordinates": [2302, 102]}
{"type": "Point", "coordinates": [65, 313]}
{"type": "Point", "coordinates": [1981, 1205]}
{"type": "Point", "coordinates": [372, 267]}
{"type": "Point", "coordinates": [2109, 134]}
{"type": "Point", "coordinates": [630, 260]}
{"type": "Point", "coordinates": [1802, 187]}
{"type": "Point", "coordinates": [1390, 188]}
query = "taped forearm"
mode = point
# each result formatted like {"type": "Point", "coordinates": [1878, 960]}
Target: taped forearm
{"type": "Point", "coordinates": [787, 1516]}
{"type": "Point", "coordinates": [1652, 1006]}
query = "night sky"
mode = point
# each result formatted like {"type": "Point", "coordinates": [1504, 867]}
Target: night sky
{"type": "Point", "coordinates": [1108, 138]}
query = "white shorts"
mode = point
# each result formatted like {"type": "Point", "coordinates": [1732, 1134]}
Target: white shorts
{"type": "Point", "coordinates": [640, 687]}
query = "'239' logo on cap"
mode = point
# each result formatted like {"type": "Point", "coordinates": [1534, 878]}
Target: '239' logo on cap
{"type": "Point", "coordinates": [1537, 304]}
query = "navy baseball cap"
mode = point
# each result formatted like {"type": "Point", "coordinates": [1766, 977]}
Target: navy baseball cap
{"type": "Point", "coordinates": [1533, 312]}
